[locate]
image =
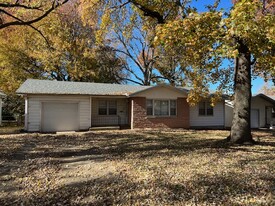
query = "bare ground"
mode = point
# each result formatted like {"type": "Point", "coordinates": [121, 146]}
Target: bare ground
{"type": "Point", "coordinates": [142, 167]}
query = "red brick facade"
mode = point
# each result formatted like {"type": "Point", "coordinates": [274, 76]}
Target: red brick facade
{"type": "Point", "coordinates": [141, 120]}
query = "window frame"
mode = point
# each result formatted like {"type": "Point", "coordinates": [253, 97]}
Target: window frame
{"type": "Point", "coordinates": [108, 107]}
{"type": "Point", "coordinates": [273, 112]}
{"type": "Point", "coordinates": [153, 107]}
{"type": "Point", "coordinates": [207, 106]}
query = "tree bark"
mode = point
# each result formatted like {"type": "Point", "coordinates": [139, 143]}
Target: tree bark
{"type": "Point", "coordinates": [241, 130]}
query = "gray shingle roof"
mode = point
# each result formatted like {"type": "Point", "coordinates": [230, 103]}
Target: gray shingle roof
{"type": "Point", "coordinates": [271, 96]}
{"type": "Point", "coordinates": [32, 86]}
{"type": "Point", "coordinates": [266, 97]}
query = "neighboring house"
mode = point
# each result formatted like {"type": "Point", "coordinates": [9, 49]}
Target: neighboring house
{"type": "Point", "coordinates": [1, 103]}
{"type": "Point", "coordinates": [262, 109]}
{"type": "Point", "coordinates": [62, 106]}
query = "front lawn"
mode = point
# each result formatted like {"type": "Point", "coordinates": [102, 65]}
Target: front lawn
{"type": "Point", "coordinates": [142, 167]}
{"type": "Point", "coordinates": [11, 129]}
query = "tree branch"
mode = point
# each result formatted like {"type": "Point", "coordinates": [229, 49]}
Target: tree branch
{"type": "Point", "coordinates": [131, 80]}
{"type": "Point", "coordinates": [253, 61]}
{"type": "Point", "coordinates": [120, 6]}
{"type": "Point", "coordinates": [20, 22]}
{"type": "Point", "coordinates": [7, 5]}
{"type": "Point", "coordinates": [149, 12]}
{"type": "Point", "coordinates": [29, 26]}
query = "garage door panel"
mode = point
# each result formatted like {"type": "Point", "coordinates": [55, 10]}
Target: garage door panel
{"type": "Point", "coordinates": [60, 116]}
{"type": "Point", "coordinates": [254, 118]}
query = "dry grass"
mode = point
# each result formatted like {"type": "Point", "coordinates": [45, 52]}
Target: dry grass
{"type": "Point", "coordinates": [10, 129]}
{"type": "Point", "coordinates": [169, 167]}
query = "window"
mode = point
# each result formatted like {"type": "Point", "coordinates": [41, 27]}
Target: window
{"type": "Point", "coordinates": [107, 107]}
{"type": "Point", "coordinates": [161, 107]}
{"type": "Point", "coordinates": [273, 112]}
{"type": "Point", "coordinates": [149, 103]}
{"type": "Point", "coordinates": [102, 107]}
{"type": "Point", "coordinates": [112, 107]}
{"type": "Point", "coordinates": [173, 107]}
{"type": "Point", "coordinates": [205, 109]}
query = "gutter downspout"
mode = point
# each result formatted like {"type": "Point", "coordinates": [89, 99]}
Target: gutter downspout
{"type": "Point", "coordinates": [91, 111]}
{"type": "Point", "coordinates": [0, 110]}
{"type": "Point", "coordinates": [26, 113]}
{"type": "Point", "coordinates": [132, 114]}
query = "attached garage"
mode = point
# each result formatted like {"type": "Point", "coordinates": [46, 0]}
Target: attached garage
{"type": "Point", "coordinates": [52, 113]}
{"type": "Point", "coordinates": [255, 119]}
{"type": "Point", "coordinates": [261, 111]}
{"type": "Point", "coordinates": [58, 116]}
{"type": "Point", "coordinates": [54, 106]}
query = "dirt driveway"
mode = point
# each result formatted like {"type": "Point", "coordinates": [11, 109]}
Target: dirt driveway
{"type": "Point", "coordinates": [169, 167]}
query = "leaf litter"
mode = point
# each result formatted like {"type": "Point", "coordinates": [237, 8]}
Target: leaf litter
{"type": "Point", "coordinates": [140, 167]}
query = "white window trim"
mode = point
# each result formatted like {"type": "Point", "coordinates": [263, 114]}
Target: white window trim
{"type": "Point", "coordinates": [169, 108]}
{"type": "Point", "coordinates": [205, 109]}
{"type": "Point", "coordinates": [107, 108]}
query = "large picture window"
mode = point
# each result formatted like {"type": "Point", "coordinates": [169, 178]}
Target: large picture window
{"type": "Point", "coordinates": [161, 107]}
{"type": "Point", "coordinates": [205, 109]}
{"type": "Point", "coordinates": [107, 107]}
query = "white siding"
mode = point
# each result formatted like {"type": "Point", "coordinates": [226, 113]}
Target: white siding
{"type": "Point", "coordinates": [122, 113]}
{"type": "Point", "coordinates": [257, 103]}
{"type": "Point", "coordinates": [35, 103]}
{"type": "Point", "coordinates": [254, 120]}
{"type": "Point", "coordinates": [228, 113]}
{"type": "Point", "coordinates": [217, 120]}
{"type": "Point", "coordinates": [270, 120]}
{"type": "Point", "coordinates": [160, 93]}
{"type": "Point", "coordinates": [261, 104]}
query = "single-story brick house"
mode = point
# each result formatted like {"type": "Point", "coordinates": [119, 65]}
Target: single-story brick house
{"type": "Point", "coordinates": [2, 95]}
{"type": "Point", "coordinates": [60, 106]}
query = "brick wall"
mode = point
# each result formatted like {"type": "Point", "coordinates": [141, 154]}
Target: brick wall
{"type": "Point", "coordinates": [181, 120]}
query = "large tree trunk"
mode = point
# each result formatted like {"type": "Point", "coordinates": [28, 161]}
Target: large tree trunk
{"type": "Point", "coordinates": [240, 130]}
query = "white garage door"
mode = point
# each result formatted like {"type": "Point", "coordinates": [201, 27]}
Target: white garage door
{"type": "Point", "coordinates": [254, 119]}
{"type": "Point", "coordinates": [59, 117]}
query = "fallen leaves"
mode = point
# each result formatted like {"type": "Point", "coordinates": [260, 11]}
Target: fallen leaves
{"type": "Point", "coordinates": [167, 167]}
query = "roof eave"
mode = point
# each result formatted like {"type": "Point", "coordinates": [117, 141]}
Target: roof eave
{"type": "Point", "coordinates": [29, 93]}
{"type": "Point", "coordinates": [265, 97]}
{"type": "Point", "coordinates": [160, 85]}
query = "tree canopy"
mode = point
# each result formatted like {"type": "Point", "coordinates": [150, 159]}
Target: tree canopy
{"type": "Point", "coordinates": [202, 41]}
{"type": "Point", "coordinates": [26, 13]}
{"type": "Point", "coordinates": [163, 39]}
{"type": "Point", "coordinates": [69, 54]}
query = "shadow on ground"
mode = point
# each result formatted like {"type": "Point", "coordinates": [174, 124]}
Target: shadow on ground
{"type": "Point", "coordinates": [24, 157]}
